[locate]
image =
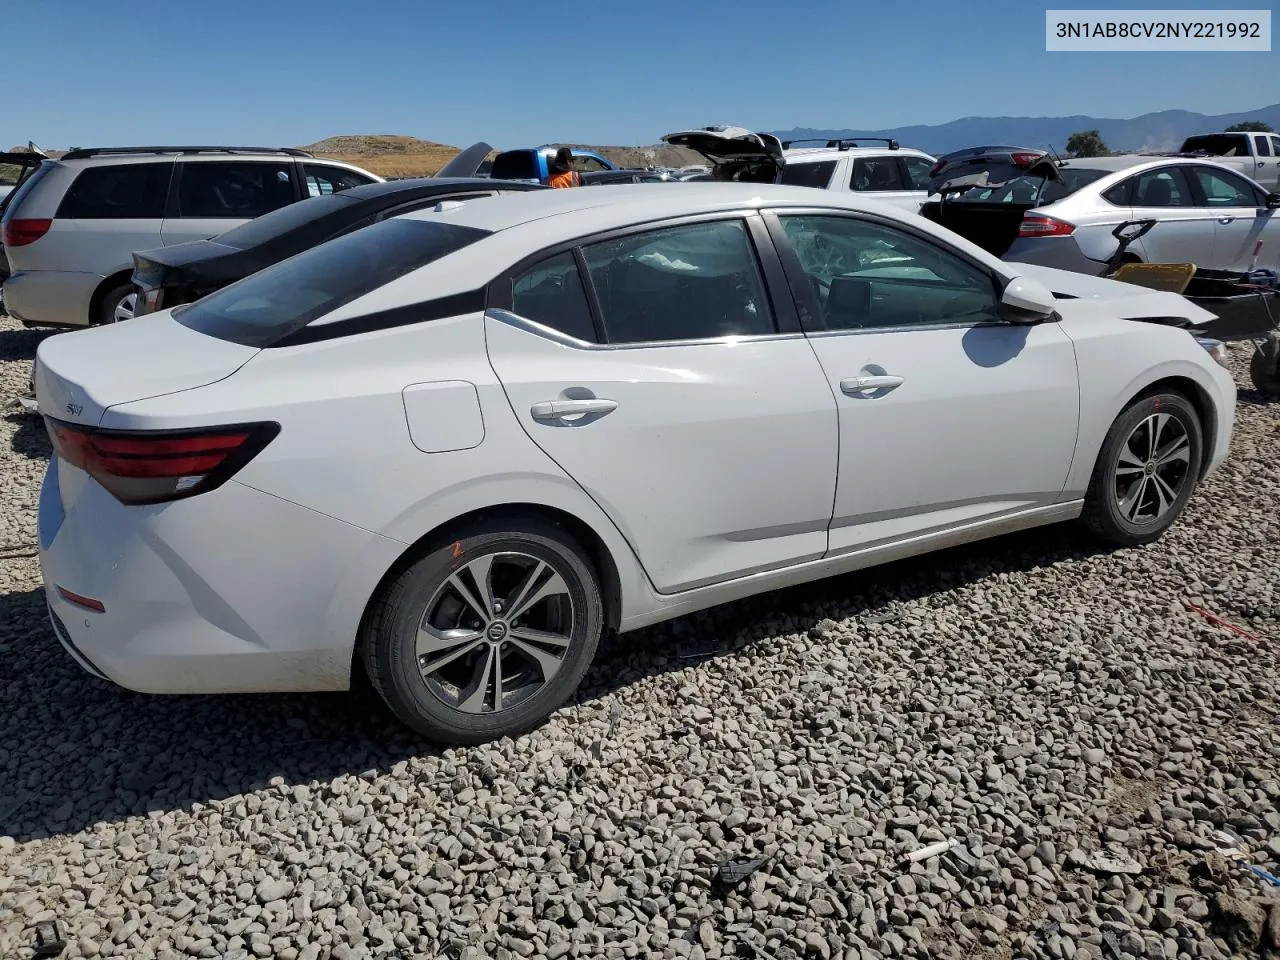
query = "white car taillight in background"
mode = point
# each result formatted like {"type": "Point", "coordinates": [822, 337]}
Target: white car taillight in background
{"type": "Point", "coordinates": [1038, 225]}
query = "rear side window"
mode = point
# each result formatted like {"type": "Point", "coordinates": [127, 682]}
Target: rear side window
{"type": "Point", "coordinates": [1264, 145]}
{"type": "Point", "coordinates": [881, 173]}
{"type": "Point", "coordinates": [1161, 188]}
{"type": "Point", "coordinates": [808, 174]}
{"type": "Point", "coordinates": [551, 293]}
{"type": "Point", "coordinates": [268, 306]}
{"type": "Point", "coordinates": [1121, 194]}
{"type": "Point", "coordinates": [690, 282]}
{"type": "Point", "coordinates": [222, 190]}
{"type": "Point", "coordinates": [514, 165]}
{"type": "Point", "coordinates": [127, 191]}
{"type": "Point", "coordinates": [322, 179]}
{"type": "Point", "coordinates": [917, 172]}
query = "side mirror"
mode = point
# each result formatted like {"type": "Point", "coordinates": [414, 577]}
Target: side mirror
{"type": "Point", "coordinates": [1027, 301]}
{"type": "Point", "coordinates": [1273, 201]}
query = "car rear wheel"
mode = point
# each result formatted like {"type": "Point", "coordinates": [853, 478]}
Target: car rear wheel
{"type": "Point", "coordinates": [120, 303]}
{"type": "Point", "coordinates": [487, 634]}
{"type": "Point", "coordinates": [1146, 471]}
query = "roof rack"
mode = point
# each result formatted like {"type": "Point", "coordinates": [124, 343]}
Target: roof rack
{"type": "Point", "coordinates": [788, 144]}
{"type": "Point", "coordinates": [82, 153]}
{"type": "Point", "coordinates": [840, 144]}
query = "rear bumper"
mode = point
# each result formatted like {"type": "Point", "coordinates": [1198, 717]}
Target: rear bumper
{"type": "Point", "coordinates": [1064, 253]}
{"type": "Point", "coordinates": [51, 297]}
{"type": "Point", "coordinates": [227, 592]}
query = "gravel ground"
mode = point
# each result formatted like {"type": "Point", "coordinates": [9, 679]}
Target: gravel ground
{"type": "Point", "coordinates": [1058, 710]}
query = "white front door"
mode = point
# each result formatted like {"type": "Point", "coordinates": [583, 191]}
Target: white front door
{"type": "Point", "coordinates": [947, 416]}
{"type": "Point", "coordinates": [1241, 219]}
{"type": "Point", "coordinates": [705, 433]}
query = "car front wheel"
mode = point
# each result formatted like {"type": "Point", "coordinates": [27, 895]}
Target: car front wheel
{"type": "Point", "coordinates": [487, 634]}
{"type": "Point", "coordinates": [1146, 471]}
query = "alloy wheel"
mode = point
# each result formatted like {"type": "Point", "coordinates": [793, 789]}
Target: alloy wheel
{"type": "Point", "coordinates": [1153, 468]}
{"type": "Point", "coordinates": [495, 632]}
{"type": "Point", "coordinates": [125, 308]}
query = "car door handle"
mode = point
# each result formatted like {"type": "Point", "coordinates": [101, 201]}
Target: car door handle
{"type": "Point", "coordinates": [855, 385]}
{"type": "Point", "coordinates": [1226, 219]}
{"type": "Point", "coordinates": [562, 409]}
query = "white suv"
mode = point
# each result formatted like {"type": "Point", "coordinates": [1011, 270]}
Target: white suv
{"type": "Point", "coordinates": [71, 228]}
{"type": "Point", "coordinates": [891, 173]}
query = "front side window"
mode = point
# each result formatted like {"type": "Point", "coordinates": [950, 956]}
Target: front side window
{"type": "Point", "coordinates": [808, 174]}
{"type": "Point", "coordinates": [867, 275]}
{"type": "Point", "coordinates": [588, 165]}
{"type": "Point", "coordinates": [917, 172]}
{"type": "Point", "coordinates": [129, 191]}
{"type": "Point", "coordinates": [1161, 188]}
{"type": "Point", "coordinates": [322, 179]}
{"type": "Point", "coordinates": [1224, 189]}
{"type": "Point", "coordinates": [881, 173]}
{"type": "Point", "coordinates": [274, 303]}
{"type": "Point", "coordinates": [232, 189]}
{"type": "Point", "coordinates": [551, 293]}
{"type": "Point", "coordinates": [680, 283]}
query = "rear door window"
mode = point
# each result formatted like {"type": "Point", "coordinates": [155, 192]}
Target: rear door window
{"type": "Point", "coordinates": [1264, 145]}
{"type": "Point", "coordinates": [808, 174]}
{"type": "Point", "coordinates": [876, 174]}
{"type": "Point", "coordinates": [233, 189]}
{"type": "Point", "coordinates": [126, 191]}
{"type": "Point", "coordinates": [588, 165]}
{"type": "Point", "coordinates": [266, 307]}
{"type": "Point", "coordinates": [514, 165]}
{"type": "Point", "coordinates": [322, 179]}
{"type": "Point", "coordinates": [1166, 187]}
{"type": "Point", "coordinates": [551, 293]}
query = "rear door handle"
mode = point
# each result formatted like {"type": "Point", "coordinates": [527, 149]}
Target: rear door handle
{"type": "Point", "coordinates": [562, 409]}
{"type": "Point", "coordinates": [1226, 219]}
{"type": "Point", "coordinates": [856, 385]}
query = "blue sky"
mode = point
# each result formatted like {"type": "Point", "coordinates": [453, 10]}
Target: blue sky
{"type": "Point", "coordinates": [103, 72]}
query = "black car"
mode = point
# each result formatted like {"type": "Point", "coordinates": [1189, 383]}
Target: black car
{"type": "Point", "coordinates": [989, 164]}
{"type": "Point", "coordinates": [169, 276]}
{"type": "Point", "coordinates": [601, 177]}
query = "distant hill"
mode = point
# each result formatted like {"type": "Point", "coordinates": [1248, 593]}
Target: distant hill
{"type": "Point", "coordinates": [1152, 131]}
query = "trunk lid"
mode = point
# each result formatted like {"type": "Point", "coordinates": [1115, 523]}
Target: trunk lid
{"type": "Point", "coordinates": [467, 163]}
{"type": "Point", "coordinates": [79, 375]}
{"type": "Point", "coordinates": [733, 151]}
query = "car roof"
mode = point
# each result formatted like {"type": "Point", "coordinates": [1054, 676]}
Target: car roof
{"type": "Point", "coordinates": [414, 185]}
{"type": "Point", "coordinates": [618, 205]}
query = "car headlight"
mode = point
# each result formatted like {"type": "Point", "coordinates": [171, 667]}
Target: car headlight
{"type": "Point", "coordinates": [1217, 349]}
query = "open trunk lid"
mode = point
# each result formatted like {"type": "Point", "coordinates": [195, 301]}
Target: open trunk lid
{"type": "Point", "coordinates": [467, 163]}
{"type": "Point", "coordinates": [736, 152]}
{"type": "Point", "coordinates": [79, 375]}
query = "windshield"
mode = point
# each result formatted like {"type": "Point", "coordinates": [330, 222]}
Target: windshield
{"type": "Point", "coordinates": [1034, 190]}
{"type": "Point", "coordinates": [279, 222]}
{"type": "Point", "coordinates": [268, 306]}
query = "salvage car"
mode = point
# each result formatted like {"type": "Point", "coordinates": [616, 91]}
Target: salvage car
{"type": "Point", "coordinates": [892, 173]}
{"type": "Point", "coordinates": [70, 230]}
{"type": "Point", "coordinates": [177, 274]}
{"type": "Point", "coordinates": [993, 163]}
{"type": "Point", "coordinates": [1206, 214]}
{"type": "Point", "coordinates": [457, 446]}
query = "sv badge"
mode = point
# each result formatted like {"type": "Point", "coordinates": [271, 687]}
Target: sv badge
{"type": "Point", "coordinates": [74, 409]}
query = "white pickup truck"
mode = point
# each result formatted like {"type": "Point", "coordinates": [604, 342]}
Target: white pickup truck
{"type": "Point", "coordinates": [1256, 155]}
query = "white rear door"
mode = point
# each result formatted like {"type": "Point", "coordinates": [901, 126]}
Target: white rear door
{"type": "Point", "coordinates": [947, 416]}
{"type": "Point", "coordinates": [885, 178]}
{"type": "Point", "coordinates": [693, 413]}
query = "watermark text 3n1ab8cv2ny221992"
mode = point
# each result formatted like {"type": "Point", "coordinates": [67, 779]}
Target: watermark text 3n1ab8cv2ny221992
{"type": "Point", "coordinates": [1158, 30]}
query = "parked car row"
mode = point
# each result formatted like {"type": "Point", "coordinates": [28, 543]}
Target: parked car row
{"type": "Point", "coordinates": [450, 431]}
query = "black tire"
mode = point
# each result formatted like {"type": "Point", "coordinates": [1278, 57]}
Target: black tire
{"type": "Point", "coordinates": [1264, 369]}
{"type": "Point", "coordinates": [1105, 514]}
{"type": "Point", "coordinates": [389, 642]}
{"type": "Point", "coordinates": [110, 300]}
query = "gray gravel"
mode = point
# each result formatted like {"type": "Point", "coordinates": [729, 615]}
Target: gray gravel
{"type": "Point", "coordinates": [1058, 710]}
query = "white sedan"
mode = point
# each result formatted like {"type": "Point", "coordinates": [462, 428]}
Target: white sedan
{"type": "Point", "coordinates": [457, 446]}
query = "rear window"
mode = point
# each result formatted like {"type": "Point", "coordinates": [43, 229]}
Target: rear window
{"type": "Point", "coordinates": [808, 174]}
{"type": "Point", "coordinates": [514, 165]}
{"type": "Point", "coordinates": [127, 191]}
{"type": "Point", "coordinates": [275, 224]}
{"type": "Point", "coordinates": [1035, 190]}
{"type": "Point", "coordinates": [268, 306]}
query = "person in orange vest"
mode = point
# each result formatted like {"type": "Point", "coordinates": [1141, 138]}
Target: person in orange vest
{"type": "Point", "coordinates": [562, 173]}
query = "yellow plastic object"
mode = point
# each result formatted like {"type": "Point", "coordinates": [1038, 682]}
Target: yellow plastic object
{"type": "Point", "coordinates": [1168, 277]}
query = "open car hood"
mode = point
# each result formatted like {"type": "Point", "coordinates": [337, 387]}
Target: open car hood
{"type": "Point", "coordinates": [734, 149]}
{"type": "Point", "coordinates": [467, 163]}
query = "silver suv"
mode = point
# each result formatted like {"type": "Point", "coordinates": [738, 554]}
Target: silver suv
{"type": "Point", "coordinates": [71, 228]}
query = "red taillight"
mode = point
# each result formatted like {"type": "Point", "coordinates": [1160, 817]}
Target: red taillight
{"type": "Point", "coordinates": [1039, 226]}
{"type": "Point", "coordinates": [19, 232]}
{"type": "Point", "coordinates": [1026, 159]}
{"type": "Point", "coordinates": [138, 466]}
